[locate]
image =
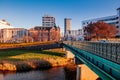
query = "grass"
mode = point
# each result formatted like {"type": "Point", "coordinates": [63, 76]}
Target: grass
{"type": "Point", "coordinates": [24, 60]}
{"type": "Point", "coordinates": [22, 55]}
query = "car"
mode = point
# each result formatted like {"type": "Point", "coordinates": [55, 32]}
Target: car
{"type": "Point", "coordinates": [103, 41]}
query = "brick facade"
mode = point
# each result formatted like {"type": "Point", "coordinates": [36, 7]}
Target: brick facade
{"type": "Point", "coordinates": [40, 33]}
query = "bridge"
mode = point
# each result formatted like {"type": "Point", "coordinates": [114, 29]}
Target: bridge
{"type": "Point", "coordinates": [102, 58]}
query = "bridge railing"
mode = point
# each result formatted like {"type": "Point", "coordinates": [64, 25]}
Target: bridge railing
{"type": "Point", "coordinates": [110, 51]}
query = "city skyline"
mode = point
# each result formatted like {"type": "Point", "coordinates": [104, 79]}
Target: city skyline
{"type": "Point", "coordinates": [28, 13]}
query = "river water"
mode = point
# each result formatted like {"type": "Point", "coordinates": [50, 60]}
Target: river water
{"type": "Point", "coordinates": [50, 74]}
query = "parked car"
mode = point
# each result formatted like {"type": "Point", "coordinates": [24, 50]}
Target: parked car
{"type": "Point", "coordinates": [103, 41]}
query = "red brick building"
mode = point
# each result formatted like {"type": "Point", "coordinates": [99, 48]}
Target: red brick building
{"type": "Point", "coordinates": [40, 33]}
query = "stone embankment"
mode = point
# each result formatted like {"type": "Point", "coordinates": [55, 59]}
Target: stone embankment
{"type": "Point", "coordinates": [31, 64]}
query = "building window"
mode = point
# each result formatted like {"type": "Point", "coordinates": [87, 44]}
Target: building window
{"type": "Point", "coordinates": [117, 22]}
{"type": "Point", "coordinates": [83, 23]}
{"type": "Point", "coordinates": [116, 17]}
{"type": "Point", "coordinates": [117, 26]}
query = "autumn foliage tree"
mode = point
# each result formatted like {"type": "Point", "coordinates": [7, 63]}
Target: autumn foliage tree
{"type": "Point", "coordinates": [99, 30]}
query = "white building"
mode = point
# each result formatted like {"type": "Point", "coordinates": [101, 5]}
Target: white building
{"type": "Point", "coordinates": [13, 34]}
{"type": "Point", "coordinates": [10, 34]}
{"type": "Point", "coordinates": [74, 35]}
{"type": "Point", "coordinates": [4, 24]}
{"type": "Point", "coordinates": [112, 20]}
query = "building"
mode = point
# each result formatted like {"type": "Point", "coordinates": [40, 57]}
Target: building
{"type": "Point", "coordinates": [47, 32]}
{"type": "Point", "coordinates": [118, 13]}
{"type": "Point", "coordinates": [112, 20]}
{"type": "Point", "coordinates": [74, 35]}
{"type": "Point", "coordinates": [9, 35]}
{"type": "Point", "coordinates": [40, 33]}
{"type": "Point", "coordinates": [67, 25]}
{"type": "Point", "coordinates": [48, 21]}
{"type": "Point", "coordinates": [70, 34]}
{"type": "Point", "coordinates": [4, 24]}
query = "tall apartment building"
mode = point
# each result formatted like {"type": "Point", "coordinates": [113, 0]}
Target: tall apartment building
{"type": "Point", "coordinates": [48, 21]}
{"type": "Point", "coordinates": [112, 20]}
{"type": "Point", "coordinates": [67, 25]}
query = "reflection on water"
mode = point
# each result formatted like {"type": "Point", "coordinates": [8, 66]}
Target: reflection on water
{"type": "Point", "coordinates": [51, 74]}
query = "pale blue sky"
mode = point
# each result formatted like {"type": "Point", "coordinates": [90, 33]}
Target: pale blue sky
{"type": "Point", "coordinates": [28, 13]}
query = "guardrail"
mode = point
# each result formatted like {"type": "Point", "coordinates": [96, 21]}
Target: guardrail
{"type": "Point", "coordinates": [109, 51]}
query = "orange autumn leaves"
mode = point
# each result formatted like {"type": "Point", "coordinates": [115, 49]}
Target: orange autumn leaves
{"type": "Point", "coordinates": [99, 30]}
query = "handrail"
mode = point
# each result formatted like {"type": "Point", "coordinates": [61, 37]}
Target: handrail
{"type": "Point", "coordinates": [109, 51]}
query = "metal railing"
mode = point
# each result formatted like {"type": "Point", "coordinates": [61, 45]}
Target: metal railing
{"type": "Point", "coordinates": [109, 51]}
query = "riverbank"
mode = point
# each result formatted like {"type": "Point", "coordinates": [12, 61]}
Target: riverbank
{"type": "Point", "coordinates": [24, 60]}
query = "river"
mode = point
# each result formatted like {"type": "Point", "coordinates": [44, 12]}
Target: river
{"type": "Point", "coordinates": [50, 74]}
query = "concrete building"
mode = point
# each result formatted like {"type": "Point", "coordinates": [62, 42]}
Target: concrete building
{"type": "Point", "coordinates": [48, 32]}
{"type": "Point", "coordinates": [67, 25]}
{"type": "Point", "coordinates": [118, 13]}
{"type": "Point", "coordinates": [9, 35]}
{"type": "Point", "coordinates": [70, 34]}
{"type": "Point", "coordinates": [112, 20]}
{"type": "Point", "coordinates": [5, 24]}
{"type": "Point", "coordinates": [74, 35]}
{"type": "Point", "coordinates": [48, 21]}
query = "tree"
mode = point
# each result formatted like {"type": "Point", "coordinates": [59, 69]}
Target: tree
{"type": "Point", "coordinates": [27, 39]}
{"type": "Point", "coordinates": [100, 29]}
{"type": "Point", "coordinates": [112, 31]}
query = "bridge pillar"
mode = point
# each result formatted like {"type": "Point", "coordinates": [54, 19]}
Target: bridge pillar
{"type": "Point", "coordinates": [84, 73]}
{"type": "Point", "coordinates": [78, 73]}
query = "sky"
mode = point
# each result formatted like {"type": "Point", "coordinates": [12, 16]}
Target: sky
{"type": "Point", "coordinates": [28, 13]}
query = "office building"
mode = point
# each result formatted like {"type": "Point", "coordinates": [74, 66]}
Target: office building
{"type": "Point", "coordinates": [48, 21]}
{"type": "Point", "coordinates": [74, 35]}
{"type": "Point", "coordinates": [118, 13]}
{"type": "Point", "coordinates": [9, 34]}
{"type": "Point", "coordinates": [112, 20]}
{"type": "Point", "coordinates": [67, 25]}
